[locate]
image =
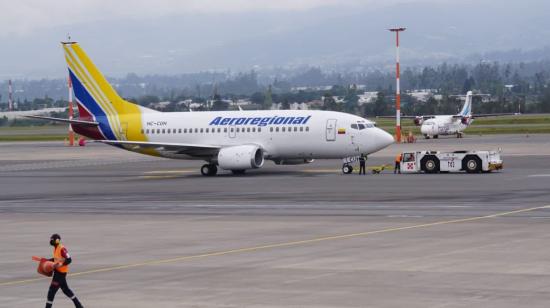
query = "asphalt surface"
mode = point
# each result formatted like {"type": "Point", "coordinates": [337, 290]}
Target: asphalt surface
{"type": "Point", "coordinates": [149, 232]}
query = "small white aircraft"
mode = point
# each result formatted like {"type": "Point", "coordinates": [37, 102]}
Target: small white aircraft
{"type": "Point", "coordinates": [231, 140]}
{"type": "Point", "coordinates": [431, 126]}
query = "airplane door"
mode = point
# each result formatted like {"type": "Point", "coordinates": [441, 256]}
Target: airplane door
{"type": "Point", "coordinates": [331, 130]}
{"type": "Point", "coordinates": [232, 131]}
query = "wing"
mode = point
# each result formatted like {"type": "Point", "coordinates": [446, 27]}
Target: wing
{"type": "Point", "coordinates": [393, 117]}
{"type": "Point", "coordinates": [486, 115]}
{"type": "Point", "coordinates": [76, 122]}
{"type": "Point", "coordinates": [195, 150]}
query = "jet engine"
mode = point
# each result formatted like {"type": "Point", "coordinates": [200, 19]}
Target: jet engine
{"type": "Point", "coordinates": [418, 121]}
{"type": "Point", "coordinates": [241, 157]}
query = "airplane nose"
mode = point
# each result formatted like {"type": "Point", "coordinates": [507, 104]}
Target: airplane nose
{"type": "Point", "coordinates": [382, 139]}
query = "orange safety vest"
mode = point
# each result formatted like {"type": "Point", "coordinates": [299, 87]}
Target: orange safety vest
{"type": "Point", "coordinates": [398, 158]}
{"type": "Point", "coordinates": [58, 258]}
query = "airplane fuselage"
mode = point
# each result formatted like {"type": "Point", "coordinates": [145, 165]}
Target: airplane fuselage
{"type": "Point", "coordinates": [443, 125]}
{"type": "Point", "coordinates": [283, 134]}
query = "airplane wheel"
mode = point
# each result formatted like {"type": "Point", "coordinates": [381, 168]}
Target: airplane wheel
{"type": "Point", "coordinates": [347, 169]}
{"type": "Point", "coordinates": [426, 137]}
{"type": "Point", "coordinates": [436, 136]}
{"type": "Point", "coordinates": [238, 172]}
{"type": "Point", "coordinates": [209, 170]}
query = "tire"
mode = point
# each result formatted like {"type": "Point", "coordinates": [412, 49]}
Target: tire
{"type": "Point", "coordinates": [238, 172]}
{"type": "Point", "coordinates": [213, 170]}
{"type": "Point", "coordinates": [426, 137]}
{"type": "Point", "coordinates": [347, 169]}
{"type": "Point", "coordinates": [209, 170]}
{"type": "Point", "coordinates": [436, 136]}
{"type": "Point", "coordinates": [472, 164]}
{"type": "Point", "coordinates": [430, 164]}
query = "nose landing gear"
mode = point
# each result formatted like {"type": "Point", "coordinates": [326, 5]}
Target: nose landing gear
{"type": "Point", "coordinates": [347, 169]}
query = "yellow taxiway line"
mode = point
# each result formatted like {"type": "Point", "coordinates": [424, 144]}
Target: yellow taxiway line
{"type": "Point", "coordinates": [279, 245]}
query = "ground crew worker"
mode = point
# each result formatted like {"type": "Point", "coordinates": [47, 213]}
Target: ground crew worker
{"type": "Point", "coordinates": [398, 159]}
{"type": "Point", "coordinates": [62, 259]}
{"type": "Point", "coordinates": [362, 163]}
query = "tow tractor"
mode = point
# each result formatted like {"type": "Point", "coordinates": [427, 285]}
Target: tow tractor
{"type": "Point", "coordinates": [436, 161]}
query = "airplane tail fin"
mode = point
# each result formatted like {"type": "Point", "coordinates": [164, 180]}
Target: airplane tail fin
{"type": "Point", "coordinates": [467, 108]}
{"type": "Point", "coordinates": [98, 101]}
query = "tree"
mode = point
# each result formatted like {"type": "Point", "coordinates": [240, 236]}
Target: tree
{"type": "Point", "coordinates": [268, 100]}
{"type": "Point", "coordinates": [329, 103]}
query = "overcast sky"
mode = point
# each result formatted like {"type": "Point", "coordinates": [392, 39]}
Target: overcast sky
{"type": "Point", "coordinates": [173, 36]}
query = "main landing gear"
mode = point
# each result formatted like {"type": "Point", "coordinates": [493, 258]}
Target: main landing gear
{"type": "Point", "coordinates": [209, 170]}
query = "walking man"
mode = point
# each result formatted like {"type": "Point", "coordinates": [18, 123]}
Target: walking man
{"type": "Point", "coordinates": [362, 163]}
{"type": "Point", "coordinates": [398, 159]}
{"type": "Point", "coordinates": [62, 259]}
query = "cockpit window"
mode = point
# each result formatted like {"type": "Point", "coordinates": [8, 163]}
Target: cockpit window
{"type": "Point", "coordinates": [354, 126]}
{"type": "Point", "coordinates": [370, 125]}
{"type": "Point", "coordinates": [361, 126]}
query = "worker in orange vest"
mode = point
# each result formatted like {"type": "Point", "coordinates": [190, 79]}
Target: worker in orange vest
{"type": "Point", "coordinates": [61, 259]}
{"type": "Point", "coordinates": [398, 159]}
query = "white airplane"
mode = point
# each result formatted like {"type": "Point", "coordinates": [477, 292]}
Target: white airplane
{"type": "Point", "coordinates": [431, 126]}
{"type": "Point", "coordinates": [231, 140]}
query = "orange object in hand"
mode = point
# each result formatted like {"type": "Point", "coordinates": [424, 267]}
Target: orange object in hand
{"type": "Point", "coordinates": [45, 267]}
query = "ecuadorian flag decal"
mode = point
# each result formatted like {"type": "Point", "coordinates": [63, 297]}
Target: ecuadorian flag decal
{"type": "Point", "coordinates": [341, 131]}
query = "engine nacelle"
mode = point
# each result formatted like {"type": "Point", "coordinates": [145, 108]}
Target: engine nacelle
{"type": "Point", "coordinates": [465, 120]}
{"type": "Point", "coordinates": [241, 157]}
{"type": "Point", "coordinates": [418, 121]}
{"type": "Point", "coordinates": [294, 161]}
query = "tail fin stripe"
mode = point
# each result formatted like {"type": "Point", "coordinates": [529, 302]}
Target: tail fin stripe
{"type": "Point", "coordinates": [84, 98]}
{"type": "Point", "coordinates": [105, 87]}
{"type": "Point", "coordinates": [95, 91]}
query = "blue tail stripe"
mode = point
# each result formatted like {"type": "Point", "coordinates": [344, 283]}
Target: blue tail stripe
{"type": "Point", "coordinates": [87, 100]}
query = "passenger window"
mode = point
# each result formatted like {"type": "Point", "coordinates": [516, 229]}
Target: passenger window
{"type": "Point", "coordinates": [301, 128]}
{"type": "Point", "coordinates": [237, 129]}
{"type": "Point", "coordinates": [179, 131]}
{"type": "Point", "coordinates": [185, 130]}
{"type": "Point", "coordinates": [196, 130]}
{"type": "Point", "coordinates": [271, 129]}
{"type": "Point", "coordinates": [232, 129]}
{"type": "Point", "coordinates": [259, 129]}
{"type": "Point", "coordinates": [248, 129]}
{"type": "Point", "coordinates": [283, 129]}
{"type": "Point", "coordinates": [158, 130]}
{"type": "Point", "coordinates": [295, 128]}
{"type": "Point", "coordinates": [163, 131]}
{"type": "Point", "coordinates": [277, 129]}
{"type": "Point", "coordinates": [307, 129]}
{"type": "Point", "coordinates": [219, 130]}
{"type": "Point", "coordinates": [202, 130]}
{"type": "Point", "coordinates": [207, 130]}
{"type": "Point", "coordinates": [225, 129]}
{"type": "Point", "coordinates": [253, 129]}
{"type": "Point", "coordinates": [152, 131]}
{"type": "Point", "coordinates": [290, 129]}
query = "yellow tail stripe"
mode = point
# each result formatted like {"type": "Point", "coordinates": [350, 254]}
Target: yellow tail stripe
{"type": "Point", "coordinates": [94, 92]}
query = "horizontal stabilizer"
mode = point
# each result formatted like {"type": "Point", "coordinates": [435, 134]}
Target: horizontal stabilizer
{"type": "Point", "coordinates": [75, 122]}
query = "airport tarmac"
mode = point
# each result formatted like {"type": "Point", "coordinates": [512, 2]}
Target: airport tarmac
{"type": "Point", "coordinates": [149, 232]}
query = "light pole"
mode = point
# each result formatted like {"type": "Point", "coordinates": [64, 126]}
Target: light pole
{"type": "Point", "coordinates": [397, 87]}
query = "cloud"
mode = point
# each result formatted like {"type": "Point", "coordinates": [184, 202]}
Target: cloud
{"type": "Point", "coordinates": [25, 16]}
